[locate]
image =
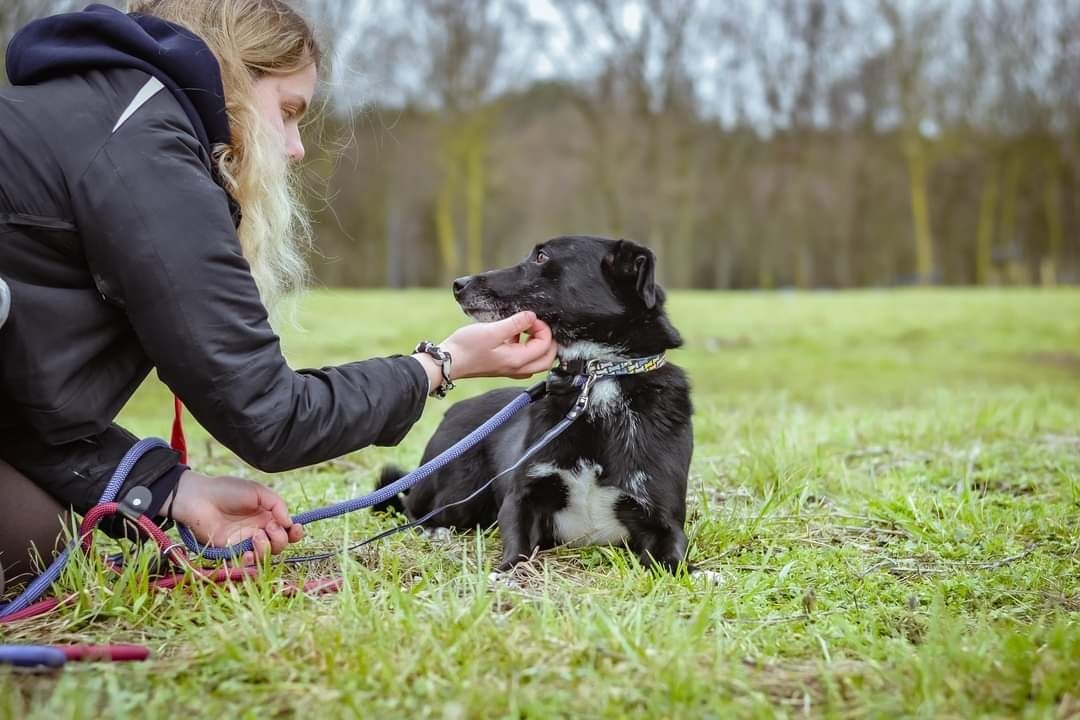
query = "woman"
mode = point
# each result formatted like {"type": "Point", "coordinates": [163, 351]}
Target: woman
{"type": "Point", "coordinates": [147, 222]}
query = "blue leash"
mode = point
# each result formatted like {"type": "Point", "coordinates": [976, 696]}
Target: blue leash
{"type": "Point", "coordinates": [402, 484]}
{"type": "Point", "coordinates": [31, 656]}
{"type": "Point", "coordinates": [548, 437]}
{"type": "Point", "coordinates": [40, 584]}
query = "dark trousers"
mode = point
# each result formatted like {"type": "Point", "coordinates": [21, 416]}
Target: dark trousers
{"type": "Point", "coordinates": [31, 526]}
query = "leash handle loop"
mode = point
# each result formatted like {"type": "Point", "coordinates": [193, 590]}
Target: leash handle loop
{"type": "Point", "coordinates": [42, 582]}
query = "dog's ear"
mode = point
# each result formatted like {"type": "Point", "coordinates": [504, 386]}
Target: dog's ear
{"type": "Point", "coordinates": [629, 261]}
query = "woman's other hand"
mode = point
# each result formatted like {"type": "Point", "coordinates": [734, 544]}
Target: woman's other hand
{"type": "Point", "coordinates": [226, 510]}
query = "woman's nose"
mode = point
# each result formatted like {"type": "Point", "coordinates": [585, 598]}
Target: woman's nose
{"type": "Point", "coordinates": [295, 147]}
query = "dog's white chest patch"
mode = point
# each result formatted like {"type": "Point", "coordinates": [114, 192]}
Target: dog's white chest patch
{"type": "Point", "coordinates": [589, 516]}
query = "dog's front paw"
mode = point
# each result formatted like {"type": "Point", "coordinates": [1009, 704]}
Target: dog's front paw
{"type": "Point", "coordinates": [710, 578]}
{"type": "Point", "coordinates": [438, 534]}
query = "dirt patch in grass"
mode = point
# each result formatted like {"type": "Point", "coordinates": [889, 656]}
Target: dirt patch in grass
{"type": "Point", "coordinates": [1062, 359]}
{"type": "Point", "coordinates": [806, 685]}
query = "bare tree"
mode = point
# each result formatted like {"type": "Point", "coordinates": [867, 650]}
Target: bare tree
{"type": "Point", "coordinates": [641, 110]}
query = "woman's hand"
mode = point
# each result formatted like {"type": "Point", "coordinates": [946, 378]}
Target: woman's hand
{"type": "Point", "coordinates": [226, 510]}
{"type": "Point", "coordinates": [494, 350]}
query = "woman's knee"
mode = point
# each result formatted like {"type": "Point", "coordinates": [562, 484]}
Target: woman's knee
{"type": "Point", "coordinates": [33, 527]}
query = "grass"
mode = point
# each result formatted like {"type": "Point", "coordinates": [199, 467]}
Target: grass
{"type": "Point", "coordinates": [888, 482]}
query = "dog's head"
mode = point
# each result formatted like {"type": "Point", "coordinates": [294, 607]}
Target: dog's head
{"type": "Point", "coordinates": [586, 288]}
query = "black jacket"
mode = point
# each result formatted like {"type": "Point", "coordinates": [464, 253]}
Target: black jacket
{"type": "Point", "coordinates": [122, 256]}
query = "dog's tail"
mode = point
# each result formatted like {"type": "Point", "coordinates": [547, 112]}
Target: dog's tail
{"type": "Point", "coordinates": [389, 474]}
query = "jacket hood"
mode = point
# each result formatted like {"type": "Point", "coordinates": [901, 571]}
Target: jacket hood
{"type": "Point", "coordinates": [102, 37]}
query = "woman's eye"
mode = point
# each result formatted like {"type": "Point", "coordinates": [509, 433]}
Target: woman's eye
{"type": "Point", "coordinates": [541, 257]}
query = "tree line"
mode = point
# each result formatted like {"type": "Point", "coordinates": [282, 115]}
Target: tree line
{"type": "Point", "coordinates": [802, 143]}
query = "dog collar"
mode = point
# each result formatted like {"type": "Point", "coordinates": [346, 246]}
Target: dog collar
{"type": "Point", "coordinates": [583, 374]}
{"type": "Point", "coordinates": [597, 368]}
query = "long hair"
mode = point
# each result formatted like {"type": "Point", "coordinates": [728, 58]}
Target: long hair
{"type": "Point", "coordinates": [251, 39]}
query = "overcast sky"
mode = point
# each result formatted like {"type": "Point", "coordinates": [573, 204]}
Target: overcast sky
{"type": "Point", "coordinates": [726, 75]}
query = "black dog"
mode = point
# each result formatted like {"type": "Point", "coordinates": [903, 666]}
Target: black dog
{"type": "Point", "coordinates": [619, 473]}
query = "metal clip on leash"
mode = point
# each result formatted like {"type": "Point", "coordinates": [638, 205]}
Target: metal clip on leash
{"type": "Point", "coordinates": [582, 403]}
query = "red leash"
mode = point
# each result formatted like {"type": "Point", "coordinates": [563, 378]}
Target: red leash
{"type": "Point", "coordinates": [113, 653]}
{"type": "Point", "coordinates": [177, 440]}
{"type": "Point", "coordinates": [179, 443]}
{"type": "Point", "coordinates": [177, 555]}
{"type": "Point", "coordinates": [57, 655]}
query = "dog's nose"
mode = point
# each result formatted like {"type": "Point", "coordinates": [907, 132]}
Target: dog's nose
{"type": "Point", "coordinates": [460, 284]}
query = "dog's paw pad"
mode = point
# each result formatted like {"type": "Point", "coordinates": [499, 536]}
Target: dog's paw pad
{"type": "Point", "coordinates": [710, 577]}
{"type": "Point", "coordinates": [438, 534]}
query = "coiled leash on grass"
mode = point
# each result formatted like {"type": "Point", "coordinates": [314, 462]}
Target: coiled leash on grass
{"type": "Point", "coordinates": [23, 606]}
{"type": "Point", "coordinates": [40, 584]}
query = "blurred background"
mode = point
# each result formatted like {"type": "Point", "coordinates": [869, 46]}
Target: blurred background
{"type": "Point", "coordinates": [750, 143]}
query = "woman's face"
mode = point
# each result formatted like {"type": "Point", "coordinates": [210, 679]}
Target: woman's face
{"type": "Point", "coordinates": [283, 100]}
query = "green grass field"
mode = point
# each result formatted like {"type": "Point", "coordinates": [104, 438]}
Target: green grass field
{"type": "Point", "coordinates": [888, 482]}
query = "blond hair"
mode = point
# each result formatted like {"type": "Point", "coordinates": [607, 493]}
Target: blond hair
{"type": "Point", "coordinates": [251, 39]}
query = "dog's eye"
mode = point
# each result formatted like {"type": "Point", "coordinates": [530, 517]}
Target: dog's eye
{"type": "Point", "coordinates": [541, 257]}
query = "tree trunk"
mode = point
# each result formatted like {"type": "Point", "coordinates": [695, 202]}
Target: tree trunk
{"type": "Point", "coordinates": [1010, 190]}
{"type": "Point", "coordinates": [601, 164]}
{"type": "Point", "coordinates": [444, 222]}
{"type": "Point", "coordinates": [915, 151]}
{"type": "Point", "coordinates": [1055, 226]}
{"type": "Point", "coordinates": [475, 196]}
{"type": "Point", "coordinates": [984, 234]}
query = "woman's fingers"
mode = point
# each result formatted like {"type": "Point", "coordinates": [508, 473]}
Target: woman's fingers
{"type": "Point", "coordinates": [516, 324]}
{"type": "Point", "coordinates": [281, 530]}
{"type": "Point", "coordinates": [534, 355]}
{"type": "Point", "coordinates": [279, 539]}
{"type": "Point", "coordinates": [248, 558]}
{"type": "Point", "coordinates": [261, 543]}
{"type": "Point", "coordinates": [532, 360]}
{"type": "Point", "coordinates": [539, 331]}
{"type": "Point", "coordinates": [545, 361]}
{"type": "Point", "coordinates": [274, 502]}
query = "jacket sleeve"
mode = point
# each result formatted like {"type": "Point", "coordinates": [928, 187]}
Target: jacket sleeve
{"type": "Point", "coordinates": [75, 474]}
{"type": "Point", "coordinates": [160, 243]}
